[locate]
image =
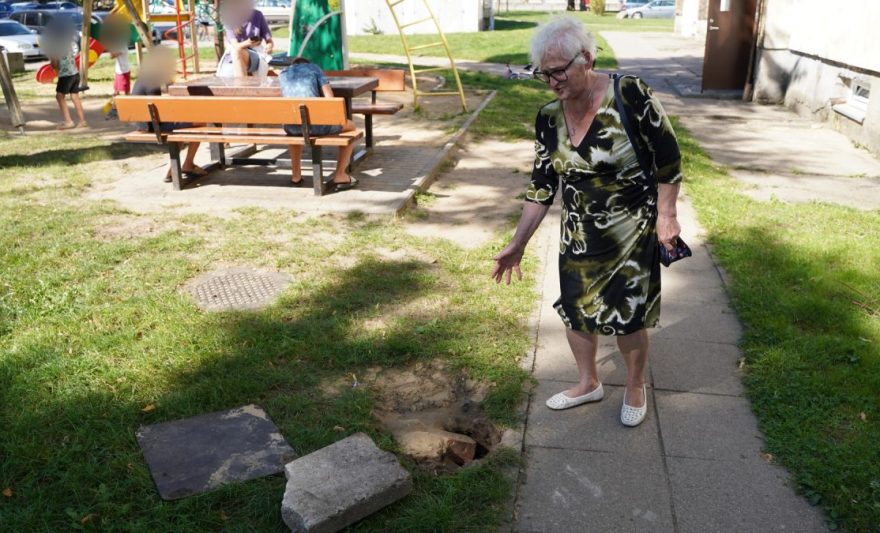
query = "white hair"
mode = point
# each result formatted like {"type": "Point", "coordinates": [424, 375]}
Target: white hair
{"type": "Point", "coordinates": [564, 34]}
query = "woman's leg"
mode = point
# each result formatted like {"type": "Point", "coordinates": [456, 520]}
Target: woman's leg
{"type": "Point", "coordinates": [344, 158]}
{"type": "Point", "coordinates": [296, 163]}
{"type": "Point", "coordinates": [583, 347]}
{"type": "Point", "coordinates": [189, 164]}
{"type": "Point", "coordinates": [634, 348]}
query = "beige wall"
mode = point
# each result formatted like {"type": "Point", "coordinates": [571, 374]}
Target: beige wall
{"type": "Point", "coordinates": [810, 52]}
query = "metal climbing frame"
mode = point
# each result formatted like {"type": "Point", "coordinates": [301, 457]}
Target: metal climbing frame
{"type": "Point", "coordinates": [184, 19]}
{"type": "Point", "coordinates": [409, 49]}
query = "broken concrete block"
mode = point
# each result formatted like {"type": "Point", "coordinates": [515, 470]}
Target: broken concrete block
{"type": "Point", "coordinates": [460, 448]}
{"type": "Point", "coordinates": [340, 484]}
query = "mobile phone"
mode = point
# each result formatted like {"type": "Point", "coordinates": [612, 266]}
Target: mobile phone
{"type": "Point", "coordinates": [680, 251]}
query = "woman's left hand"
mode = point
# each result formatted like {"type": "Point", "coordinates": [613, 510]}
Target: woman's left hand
{"type": "Point", "coordinates": [668, 230]}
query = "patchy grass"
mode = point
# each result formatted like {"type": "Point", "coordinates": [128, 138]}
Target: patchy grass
{"type": "Point", "coordinates": [508, 43]}
{"type": "Point", "coordinates": [93, 328]}
{"type": "Point", "coordinates": [806, 286]}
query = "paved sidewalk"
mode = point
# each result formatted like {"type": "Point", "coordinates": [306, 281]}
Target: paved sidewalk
{"type": "Point", "coordinates": [695, 464]}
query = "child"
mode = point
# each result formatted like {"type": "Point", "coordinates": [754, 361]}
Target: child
{"type": "Point", "coordinates": [122, 81]}
{"type": "Point", "coordinates": [68, 83]}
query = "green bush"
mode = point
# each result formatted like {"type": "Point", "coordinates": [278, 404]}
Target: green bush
{"type": "Point", "coordinates": [597, 7]}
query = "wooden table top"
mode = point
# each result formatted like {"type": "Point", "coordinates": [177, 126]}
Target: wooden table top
{"type": "Point", "coordinates": [343, 86]}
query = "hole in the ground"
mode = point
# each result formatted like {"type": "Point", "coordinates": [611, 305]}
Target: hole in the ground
{"type": "Point", "coordinates": [433, 413]}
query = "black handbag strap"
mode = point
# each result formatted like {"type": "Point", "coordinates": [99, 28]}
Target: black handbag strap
{"type": "Point", "coordinates": [641, 155]}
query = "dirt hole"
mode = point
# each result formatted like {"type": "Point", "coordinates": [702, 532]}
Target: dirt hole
{"type": "Point", "coordinates": [432, 411]}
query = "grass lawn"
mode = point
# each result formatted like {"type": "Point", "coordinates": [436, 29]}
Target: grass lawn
{"type": "Point", "coordinates": [509, 42]}
{"type": "Point", "coordinates": [806, 285]}
{"type": "Point", "coordinates": [97, 339]}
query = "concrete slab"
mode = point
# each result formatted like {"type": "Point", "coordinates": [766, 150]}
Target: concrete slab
{"type": "Point", "coordinates": [681, 285]}
{"type": "Point", "coordinates": [593, 426]}
{"type": "Point", "coordinates": [705, 426]}
{"type": "Point", "coordinates": [698, 367]}
{"type": "Point", "coordinates": [202, 453]}
{"type": "Point", "coordinates": [573, 490]}
{"type": "Point", "coordinates": [334, 487]}
{"type": "Point", "coordinates": [698, 321]}
{"type": "Point", "coordinates": [743, 496]}
{"type": "Point", "coordinates": [804, 189]}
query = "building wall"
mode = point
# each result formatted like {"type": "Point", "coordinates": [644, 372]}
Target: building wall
{"type": "Point", "coordinates": [810, 54]}
{"type": "Point", "coordinates": [455, 16]}
{"type": "Point", "coordinates": [690, 17]}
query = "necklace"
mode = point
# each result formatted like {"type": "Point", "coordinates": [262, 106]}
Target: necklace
{"type": "Point", "coordinates": [572, 125]}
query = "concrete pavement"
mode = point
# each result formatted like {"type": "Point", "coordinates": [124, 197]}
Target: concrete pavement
{"type": "Point", "coordinates": [695, 464]}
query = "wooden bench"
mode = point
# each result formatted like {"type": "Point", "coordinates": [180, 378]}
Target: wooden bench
{"type": "Point", "coordinates": [228, 119]}
{"type": "Point", "coordinates": [389, 80]}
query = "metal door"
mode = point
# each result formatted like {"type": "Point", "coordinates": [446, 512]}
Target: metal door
{"type": "Point", "coordinates": [729, 40]}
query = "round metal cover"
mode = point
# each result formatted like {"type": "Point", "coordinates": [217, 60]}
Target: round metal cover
{"type": "Point", "coordinates": [237, 289]}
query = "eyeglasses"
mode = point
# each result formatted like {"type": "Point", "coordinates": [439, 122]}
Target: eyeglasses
{"type": "Point", "coordinates": [558, 74]}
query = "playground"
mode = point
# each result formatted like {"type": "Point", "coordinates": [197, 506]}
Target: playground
{"type": "Point", "coordinates": [363, 323]}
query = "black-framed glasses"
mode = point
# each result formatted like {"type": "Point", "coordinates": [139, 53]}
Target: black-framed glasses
{"type": "Point", "coordinates": [558, 74]}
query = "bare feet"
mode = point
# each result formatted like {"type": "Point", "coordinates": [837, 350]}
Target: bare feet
{"type": "Point", "coordinates": [195, 170]}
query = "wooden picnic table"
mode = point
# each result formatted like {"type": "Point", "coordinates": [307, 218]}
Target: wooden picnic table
{"type": "Point", "coordinates": [343, 86]}
{"type": "Point", "coordinates": [346, 87]}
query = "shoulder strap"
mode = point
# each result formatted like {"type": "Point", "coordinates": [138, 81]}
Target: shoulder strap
{"type": "Point", "coordinates": [641, 155]}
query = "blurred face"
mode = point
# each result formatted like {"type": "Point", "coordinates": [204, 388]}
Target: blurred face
{"type": "Point", "coordinates": [234, 13]}
{"type": "Point", "coordinates": [566, 76]}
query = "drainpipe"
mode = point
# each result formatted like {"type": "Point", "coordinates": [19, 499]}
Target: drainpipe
{"type": "Point", "coordinates": [758, 32]}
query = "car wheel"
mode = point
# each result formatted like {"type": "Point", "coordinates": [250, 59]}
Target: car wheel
{"type": "Point", "coordinates": [636, 15]}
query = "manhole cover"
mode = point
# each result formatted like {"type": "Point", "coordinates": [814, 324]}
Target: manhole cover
{"type": "Point", "coordinates": [237, 288]}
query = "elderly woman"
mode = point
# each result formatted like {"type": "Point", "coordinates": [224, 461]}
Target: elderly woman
{"type": "Point", "coordinates": [613, 215]}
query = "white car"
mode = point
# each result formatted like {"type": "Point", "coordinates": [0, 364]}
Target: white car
{"type": "Point", "coordinates": [17, 38]}
{"type": "Point", "coordinates": [275, 11]}
{"type": "Point", "coordinates": [656, 9]}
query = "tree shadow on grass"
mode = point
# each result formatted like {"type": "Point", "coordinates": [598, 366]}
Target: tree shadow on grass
{"type": "Point", "coordinates": [76, 456]}
{"type": "Point", "coordinates": [509, 24]}
{"type": "Point", "coordinates": [76, 156]}
{"type": "Point", "coordinates": [812, 361]}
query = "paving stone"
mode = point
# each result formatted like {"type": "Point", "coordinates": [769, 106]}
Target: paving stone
{"type": "Point", "coordinates": [594, 426]}
{"type": "Point", "coordinates": [574, 490]}
{"type": "Point", "coordinates": [705, 426]}
{"type": "Point", "coordinates": [201, 453]}
{"type": "Point", "coordinates": [744, 496]}
{"type": "Point", "coordinates": [693, 285]}
{"type": "Point", "coordinates": [694, 366]}
{"type": "Point", "coordinates": [340, 484]}
{"type": "Point", "coordinates": [709, 322]}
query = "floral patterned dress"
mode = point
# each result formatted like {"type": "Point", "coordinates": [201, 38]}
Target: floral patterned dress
{"type": "Point", "coordinates": [609, 266]}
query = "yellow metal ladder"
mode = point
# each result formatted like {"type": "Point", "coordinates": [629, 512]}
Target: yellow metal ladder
{"type": "Point", "coordinates": [409, 49]}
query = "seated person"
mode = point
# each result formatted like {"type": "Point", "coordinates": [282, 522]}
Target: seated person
{"type": "Point", "coordinates": [306, 80]}
{"type": "Point", "coordinates": [157, 71]}
{"type": "Point", "coordinates": [246, 30]}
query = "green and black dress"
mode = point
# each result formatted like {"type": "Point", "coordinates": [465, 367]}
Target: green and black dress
{"type": "Point", "coordinates": [609, 265]}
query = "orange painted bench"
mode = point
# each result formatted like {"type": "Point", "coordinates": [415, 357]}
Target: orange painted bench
{"type": "Point", "coordinates": [230, 119]}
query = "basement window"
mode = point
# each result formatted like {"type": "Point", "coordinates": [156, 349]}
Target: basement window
{"type": "Point", "coordinates": [856, 106]}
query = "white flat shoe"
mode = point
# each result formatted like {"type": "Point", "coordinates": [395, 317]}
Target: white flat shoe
{"type": "Point", "coordinates": [633, 416]}
{"type": "Point", "coordinates": [561, 401]}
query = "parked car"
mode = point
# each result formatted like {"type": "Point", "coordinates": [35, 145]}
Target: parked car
{"type": "Point", "coordinates": [21, 6]}
{"type": "Point", "coordinates": [629, 6]}
{"type": "Point", "coordinates": [5, 10]}
{"type": "Point", "coordinates": [275, 11]}
{"type": "Point", "coordinates": [61, 6]}
{"type": "Point", "coordinates": [656, 9]}
{"type": "Point", "coordinates": [38, 19]}
{"type": "Point", "coordinates": [15, 37]}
